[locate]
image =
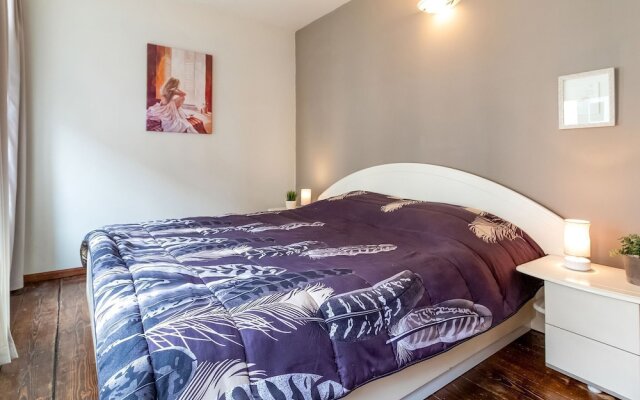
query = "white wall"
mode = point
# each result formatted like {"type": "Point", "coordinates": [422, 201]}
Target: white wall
{"type": "Point", "coordinates": [90, 160]}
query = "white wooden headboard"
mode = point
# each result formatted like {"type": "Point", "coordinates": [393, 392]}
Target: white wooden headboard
{"type": "Point", "coordinates": [446, 185]}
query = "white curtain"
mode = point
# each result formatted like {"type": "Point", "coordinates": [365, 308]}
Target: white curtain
{"type": "Point", "coordinates": [12, 163]}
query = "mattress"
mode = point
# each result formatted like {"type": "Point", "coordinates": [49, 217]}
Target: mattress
{"type": "Point", "coordinates": [303, 304]}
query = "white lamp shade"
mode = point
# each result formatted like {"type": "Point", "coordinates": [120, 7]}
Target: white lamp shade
{"type": "Point", "coordinates": [577, 241]}
{"type": "Point", "coordinates": [305, 197]}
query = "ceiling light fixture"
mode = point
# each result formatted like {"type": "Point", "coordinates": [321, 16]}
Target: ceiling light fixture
{"type": "Point", "coordinates": [437, 6]}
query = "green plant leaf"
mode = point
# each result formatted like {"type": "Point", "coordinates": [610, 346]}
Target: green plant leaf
{"type": "Point", "coordinates": [629, 246]}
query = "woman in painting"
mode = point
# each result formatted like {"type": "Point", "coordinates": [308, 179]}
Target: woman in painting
{"type": "Point", "coordinates": [169, 110]}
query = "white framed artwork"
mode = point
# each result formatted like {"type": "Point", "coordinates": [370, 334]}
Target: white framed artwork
{"type": "Point", "coordinates": [588, 99]}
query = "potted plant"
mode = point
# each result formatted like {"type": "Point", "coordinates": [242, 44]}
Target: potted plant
{"type": "Point", "coordinates": [291, 200]}
{"type": "Point", "coordinates": [630, 252]}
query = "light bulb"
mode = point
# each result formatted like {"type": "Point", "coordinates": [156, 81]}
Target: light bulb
{"type": "Point", "coordinates": [437, 6]}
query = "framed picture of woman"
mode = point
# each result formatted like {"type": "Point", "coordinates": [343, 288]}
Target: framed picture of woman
{"type": "Point", "coordinates": [179, 90]}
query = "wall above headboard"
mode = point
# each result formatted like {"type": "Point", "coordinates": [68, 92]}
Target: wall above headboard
{"type": "Point", "coordinates": [380, 82]}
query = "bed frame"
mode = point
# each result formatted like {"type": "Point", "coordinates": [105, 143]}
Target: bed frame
{"type": "Point", "coordinates": [445, 185]}
{"type": "Point", "coordinates": [439, 184]}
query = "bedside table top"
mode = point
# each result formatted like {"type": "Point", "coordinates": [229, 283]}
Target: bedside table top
{"type": "Point", "coordinates": [602, 280]}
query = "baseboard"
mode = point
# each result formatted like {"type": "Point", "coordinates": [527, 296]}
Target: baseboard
{"type": "Point", "coordinates": [52, 275]}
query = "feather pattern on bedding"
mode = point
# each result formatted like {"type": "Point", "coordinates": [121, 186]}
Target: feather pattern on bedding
{"type": "Point", "coordinates": [347, 195]}
{"type": "Point", "coordinates": [349, 251]}
{"type": "Point", "coordinates": [213, 380]}
{"type": "Point", "coordinates": [235, 292]}
{"type": "Point", "coordinates": [396, 205]}
{"type": "Point", "coordinates": [304, 304]}
{"type": "Point", "coordinates": [279, 250]}
{"type": "Point", "coordinates": [286, 227]}
{"type": "Point", "coordinates": [363, 314]}
{"type": "Point", "coordinates": [492, 229]}
{"type": "Point", "coordinates": [447, 322]}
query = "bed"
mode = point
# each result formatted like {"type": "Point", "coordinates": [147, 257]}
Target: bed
{"type": "Point", "coordinates": [401, 275]}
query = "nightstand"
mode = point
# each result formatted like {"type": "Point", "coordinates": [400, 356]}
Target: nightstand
{"type": "Point", "coordinates": [592, 325]}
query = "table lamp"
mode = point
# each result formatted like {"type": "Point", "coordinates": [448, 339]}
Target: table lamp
{"type": "Point", "coordinates": [577, 244]}
{"type": "Point", "coordinates": [305, 197]}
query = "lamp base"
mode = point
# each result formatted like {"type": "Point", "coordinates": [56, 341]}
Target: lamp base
{"type": "Point", "coordinates": [577, 263]}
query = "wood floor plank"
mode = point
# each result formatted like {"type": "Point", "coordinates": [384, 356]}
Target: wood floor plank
{"type": "Point", "coordinates": [525, 361]}
{"type": "Point", "coordinates": [520, 370]}
{"type": "Point", "coordinates": [30, 377]}
{"type": "Point", "coordinates": [462, 389]}
{"type": "Point", "coordinates": [533, 340]}
{"type": "Point", "coordinates": [75, 370]}
{"type": "Point", "coordinates": [15, 304]}
{"type": "Point", "coordinates": [531, 383]}
{"type": "Point", "coordinates": [502, 384]}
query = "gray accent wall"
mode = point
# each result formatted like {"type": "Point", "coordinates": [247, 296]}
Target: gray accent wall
{"type": "Point", "coordinates": [379, 82]}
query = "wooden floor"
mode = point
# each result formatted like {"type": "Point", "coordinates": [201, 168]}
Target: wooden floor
{"type": "Point", "coordinates": [51, 328]}
{"type": "Point", "coordinates": [516, 372]}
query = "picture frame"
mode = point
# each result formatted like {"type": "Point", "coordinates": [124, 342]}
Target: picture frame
{"type": "Point", "coordinates": [179, 90]}
{"type": "Point", "coordinates": [587, 99]}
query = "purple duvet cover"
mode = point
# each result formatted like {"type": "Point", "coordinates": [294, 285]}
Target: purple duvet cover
{"type": "Point", "coordinates": [302, 304]}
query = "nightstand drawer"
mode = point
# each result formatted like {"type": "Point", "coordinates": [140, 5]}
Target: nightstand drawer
{"type": "Point", "coordinates": [610, 321]}
{"type": "Point", "coordinates": [606, 367]}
